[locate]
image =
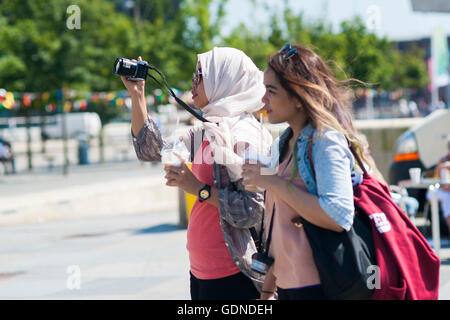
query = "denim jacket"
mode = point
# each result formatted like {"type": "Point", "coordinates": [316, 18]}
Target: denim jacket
{"type": "Point", "coordinates": [239, 209]}
{"type": "Point", "coordinates": [333, 162]}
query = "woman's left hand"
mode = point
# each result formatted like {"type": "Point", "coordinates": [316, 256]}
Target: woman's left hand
{"type": "Point", "coordinates": [183, 178]}
{"type": "Point", "coordinates": [253, 175]}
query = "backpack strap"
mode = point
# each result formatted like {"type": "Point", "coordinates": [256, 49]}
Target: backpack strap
{"type": "Point", "coordinates": [358, 158]}
{"type": "Point", "coordinates": [350, 146]}
{"type": "Point", "coordinates": [193, 143]}
{"type": "Point", "coordinates": [310, 143]}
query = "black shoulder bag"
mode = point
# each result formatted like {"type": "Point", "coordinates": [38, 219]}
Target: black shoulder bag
{"type": "Point", "coordinates": [342, 258]}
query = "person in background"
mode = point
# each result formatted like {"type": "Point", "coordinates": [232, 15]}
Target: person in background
{"type": "Point", "coordinates": [227, 87]}
{"type": "Point", "coordinates": [6, 155]}
{"type": "Point", "coordinates": [443, 194]}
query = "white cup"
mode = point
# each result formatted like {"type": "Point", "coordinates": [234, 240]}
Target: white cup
{"type": "Point", "coordinates": [254, 158]}
{"type": "Point", "coordinates": [168, 157]}
{"type": "Point", "coordinates": [415, 175]}
{"type": "Point", "coordinates": [445, 174]}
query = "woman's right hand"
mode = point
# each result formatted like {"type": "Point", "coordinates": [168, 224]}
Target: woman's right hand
{"type": "Point", "coordinates": [134, 87]}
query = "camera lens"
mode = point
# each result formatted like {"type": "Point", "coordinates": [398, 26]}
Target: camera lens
{"type": "Point", "coordinates": [116, 66]}
{"type": "Point", "coordinates": [125, 67]}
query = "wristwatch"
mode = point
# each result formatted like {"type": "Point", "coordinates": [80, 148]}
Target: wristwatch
{"type": "Point", "coordinates": [204, 193]}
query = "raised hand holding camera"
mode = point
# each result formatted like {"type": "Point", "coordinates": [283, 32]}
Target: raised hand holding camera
{"type": "Point", "coordinates": [133, 70]}
{"type": "Point", "coordinates": [134, 87]}
{"type": "Point", "coordinates": [134, 73]}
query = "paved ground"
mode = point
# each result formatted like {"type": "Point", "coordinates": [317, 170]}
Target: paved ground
{"type": "Point", "coordinates": [87, 191]}
{"type": "Point", "coordinates": [115, 254]}
{"type": "Point", "coordinates": [122, 257]}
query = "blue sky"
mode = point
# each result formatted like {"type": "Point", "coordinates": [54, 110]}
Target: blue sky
{"type": "Point", "coordinates": [393, 18]}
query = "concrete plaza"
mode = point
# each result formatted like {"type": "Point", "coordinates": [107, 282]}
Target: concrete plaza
{"type": "Point", "coordinates": [102, 232]}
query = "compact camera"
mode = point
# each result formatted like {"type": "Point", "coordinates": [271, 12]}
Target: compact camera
{"type": "Point", "coordinates": [132, 70]}
{"type": "Point", "coordinates": [261, 262]}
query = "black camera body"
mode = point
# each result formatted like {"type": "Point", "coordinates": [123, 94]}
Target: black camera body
{"type": "Point", "coordinates": [261, 262]}
{"type": "Point", "coordinates": [132, 70]}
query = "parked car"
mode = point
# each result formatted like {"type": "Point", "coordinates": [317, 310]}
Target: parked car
{"type": "Point", "coordinates": [422, 146]}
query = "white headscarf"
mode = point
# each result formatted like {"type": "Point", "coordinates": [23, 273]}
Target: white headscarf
{"type": "Point", "coordinates": [234, 88]}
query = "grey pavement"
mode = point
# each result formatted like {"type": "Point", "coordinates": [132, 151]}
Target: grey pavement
{"type": "Point", "coordinates": [116, 188]}
{"type": "Point", "coordinates": [122, 257]}
{"type": "Point", "coordinates": [114, 224]}
{"type": "Point", "coordinates": [444, 280]}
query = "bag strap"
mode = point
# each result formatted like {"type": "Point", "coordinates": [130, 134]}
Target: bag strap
{"type": "Point", "coordinates": [192, 146]}
{"type": "Point", "coordinates": [298, 221]}
{"type": "Point", "coordinates": [257, 241]}
{"type": "Point", "coordinates": [192, 143]}
{"type": "Point", "coordinates": [258, 238]}
{"type": "Point", "coordinates": [358, 158]}
{"type": "Point", "coordinates": [352, 149]}
{"type": "Point", "coordinates": [311, 163]}
{"type": "Point", "coordinates": [269, 237]}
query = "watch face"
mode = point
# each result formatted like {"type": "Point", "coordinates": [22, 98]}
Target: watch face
{"type": "Point", "coordinates": [204, 194]}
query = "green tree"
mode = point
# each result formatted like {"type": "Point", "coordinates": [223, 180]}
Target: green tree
{"type": "Point", "coordinates": [352, 52]}
{"type": "Point", "coordinates": [196, 30]}
{"type": "Point", "coordinates": [254, 45]}
{"type": "Point", "coordinates": [365, 56]}
{"type": "Point", "coordinates": [39, 53]}
{"type": "Point", "coordinates": [149, 10]}
{"type": "Point", "coordinates": [411, 71]}
{"type": "Point", "coordinates": [45, 55]}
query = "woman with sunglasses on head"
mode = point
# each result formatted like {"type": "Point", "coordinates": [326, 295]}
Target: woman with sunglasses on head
{"type": "Point", "coordinates": [314, 174]}
{"type": "Point", "coordinates": [227, 87]}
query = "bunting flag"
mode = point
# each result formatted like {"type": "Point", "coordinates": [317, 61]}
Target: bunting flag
{"type": "Point", "coordinates": [6, 99]}
{"type": "Point", "coordinates": [81, 100]}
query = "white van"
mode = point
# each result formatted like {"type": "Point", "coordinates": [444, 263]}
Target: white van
{"type": "Point", "coordinates": [79, 125]}
{"type": "Point", "coordinates": [422, 146]}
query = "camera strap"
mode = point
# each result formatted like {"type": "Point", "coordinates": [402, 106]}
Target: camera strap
{"type": "Point", "coordinates": [178, 100]}
{"type": "Point", "coordinates": [259, 238]}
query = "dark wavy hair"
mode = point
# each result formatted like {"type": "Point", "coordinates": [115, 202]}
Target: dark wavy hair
{"type": "Point", "coordinates": [326, 101]}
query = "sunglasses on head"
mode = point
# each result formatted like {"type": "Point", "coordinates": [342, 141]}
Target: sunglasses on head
{"type": "Point", "coordinates": [288, 51]}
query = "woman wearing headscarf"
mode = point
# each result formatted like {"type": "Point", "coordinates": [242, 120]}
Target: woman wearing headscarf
{"type": "Point", "coordinates": [227, 87]}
